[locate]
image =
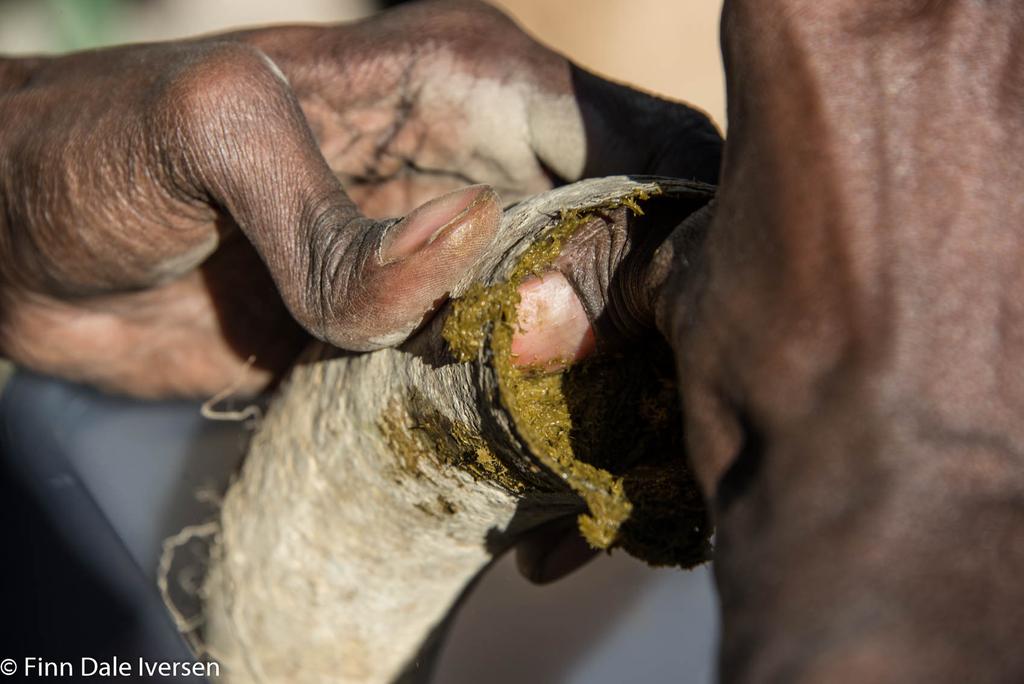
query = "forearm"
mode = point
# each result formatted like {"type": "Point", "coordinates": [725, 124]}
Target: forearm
{"type": "Point", "coordinates": [860, 555]}
{"type": "Point", "coordinates": [861, 265]}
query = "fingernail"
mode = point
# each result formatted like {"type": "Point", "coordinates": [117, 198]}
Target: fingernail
{"type": "Point", "coordinates": [424, 224]}
{"type": "Point", "coordinates": [553, 328]}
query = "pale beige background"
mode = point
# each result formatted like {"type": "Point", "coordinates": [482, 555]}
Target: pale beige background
{"type": "Point", "coordinates": [666, 46]}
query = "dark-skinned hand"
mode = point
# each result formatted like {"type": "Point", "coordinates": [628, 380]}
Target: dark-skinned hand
{"type": "Point", "coordinates": [169, 210]}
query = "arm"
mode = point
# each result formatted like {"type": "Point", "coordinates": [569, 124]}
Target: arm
{"type": "Point", "coordinates": [869, 523]}
{"type": "Point", "coordinates": [847, 340]}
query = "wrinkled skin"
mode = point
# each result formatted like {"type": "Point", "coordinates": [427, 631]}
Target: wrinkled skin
{"type": "Point", "coordinates": [848, 333]}
{"type": "Point", "coordinates": [866, 266]}
{"type": "Point", "coordinates": [169, 210]}
{"type": "Point", "coordinates": [850, 338]}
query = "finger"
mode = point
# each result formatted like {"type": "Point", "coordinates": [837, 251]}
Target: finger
{"type": "Point", "coordinates": [553, 551]}
{"type": "Point", "coordinates": [553, 326]}
{"type": "Point", "coordinates": [239, 140]}
{"type": "Point", "coordinates": [607, 288]}
{"type": "Point", "coordinates": [487, 102]}
{"type": "Point", "coordinates": [421, 259]}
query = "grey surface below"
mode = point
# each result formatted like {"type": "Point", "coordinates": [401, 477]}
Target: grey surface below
{"type": "Point", "coordinates": [133, 473]}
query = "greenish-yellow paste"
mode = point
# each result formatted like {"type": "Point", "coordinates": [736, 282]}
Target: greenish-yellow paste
{"type": "Point", "coordinates": [609, 427]}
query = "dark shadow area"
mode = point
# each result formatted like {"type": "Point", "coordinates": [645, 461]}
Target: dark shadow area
{"type": "Point", "coordinates": [626, 413]}
{"type": "Point", "coordinates": [388, 4]}
{"type": "Point", "coordinates": [55, 606]}
{"type": "Point", "coordinates": [743, 470]}
{"type": "Point", "coordinates": [634, 133]}
{"type": "Point", "coordinates": [253, 318]}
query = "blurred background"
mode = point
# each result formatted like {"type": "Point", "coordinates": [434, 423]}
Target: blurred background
{"type": "Point", "coordinates": [71, 462]}
{"type": "Point", "coordinates": [666, 46]}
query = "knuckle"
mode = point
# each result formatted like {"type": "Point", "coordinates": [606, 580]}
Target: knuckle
{"type": "Point", "coordinates": [604, 263]}
{"type": "Point", "coordinates": [331, 301]}
{"type": "Point", "coordinates": [211, 81]}
{"type": "Point", "coordinates": [619, 262]}
{"type": "Point", "coordinates": [217, 105]}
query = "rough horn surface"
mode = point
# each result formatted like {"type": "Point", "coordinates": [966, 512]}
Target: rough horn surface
{"type": "Point", "coordinates": [379, 485]}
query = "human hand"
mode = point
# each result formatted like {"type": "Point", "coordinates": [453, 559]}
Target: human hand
{"type": "Point", "coordinates": [170, 210]}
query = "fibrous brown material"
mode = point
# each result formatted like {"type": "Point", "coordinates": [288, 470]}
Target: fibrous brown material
{"type": "Point", "coordinates": [379, 485]}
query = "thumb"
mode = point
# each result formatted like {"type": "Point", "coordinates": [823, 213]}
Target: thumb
{"type": "Point", "coordinates": [238, 136]}
{"type": "Point", "coordinates": [610, 286]}
{"type": "Point", "coordinates": [396, 273]}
